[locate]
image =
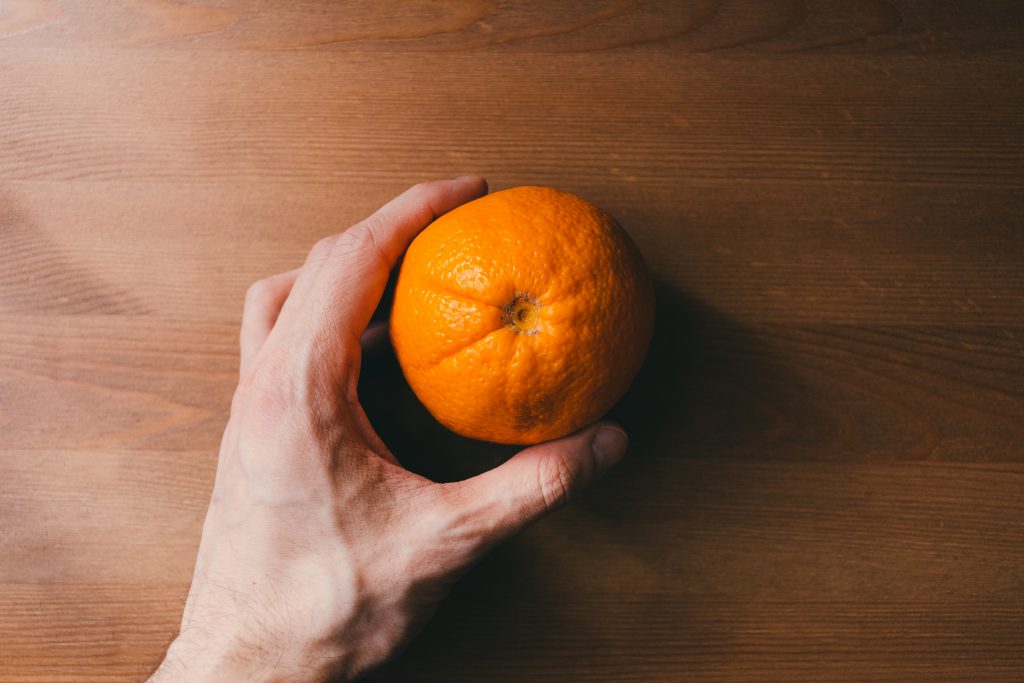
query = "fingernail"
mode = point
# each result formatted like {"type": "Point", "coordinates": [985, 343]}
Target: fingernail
{"type": "Point", "coordinates": [471, 178]}
{"type": "Point", "coordinates": [609, 446]}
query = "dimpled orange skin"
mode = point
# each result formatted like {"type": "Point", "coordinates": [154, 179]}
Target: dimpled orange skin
{"type": "Point", "coordinates": [522, 316]}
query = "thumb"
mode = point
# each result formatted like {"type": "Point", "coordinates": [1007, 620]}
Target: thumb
{"type": "Point", "coordinates": [541, 478]}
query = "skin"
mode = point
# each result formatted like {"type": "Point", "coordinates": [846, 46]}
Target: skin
{"type": "Point", "coordinates": [320, 554]}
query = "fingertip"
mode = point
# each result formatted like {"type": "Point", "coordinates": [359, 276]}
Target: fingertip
{"type": "Point", "coordinates": [609, 444]}
{"type": "Point", "coordinates": [475, 184]}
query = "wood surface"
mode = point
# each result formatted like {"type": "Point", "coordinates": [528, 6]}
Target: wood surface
{"type": "Point", "coordinates": [826, 479]}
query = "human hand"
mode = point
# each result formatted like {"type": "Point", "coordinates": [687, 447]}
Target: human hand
{"type": "Point", "coordinates": [321, 555]}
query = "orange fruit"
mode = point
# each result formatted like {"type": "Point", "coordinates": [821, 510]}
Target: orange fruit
{"type": "Point", "coordinates": [522, 316]}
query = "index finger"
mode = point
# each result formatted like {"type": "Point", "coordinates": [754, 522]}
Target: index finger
{"type": "Point", "coordinates": [345, 276]}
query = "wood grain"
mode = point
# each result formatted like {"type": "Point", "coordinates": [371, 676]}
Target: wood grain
{"type": "Point", "coordinates": [767, 26]}
{"type": "Point", "coordinates": [827, 477]}
{"type": "Point", "coordinates": [840, 253]}
{"type": "Point", "coordinates": [675, 119]}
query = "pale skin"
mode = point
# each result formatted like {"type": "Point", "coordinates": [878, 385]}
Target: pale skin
{"type": "Point", "coordinates": [320, 554]}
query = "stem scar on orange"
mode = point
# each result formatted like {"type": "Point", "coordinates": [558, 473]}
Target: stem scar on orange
{"type": "Point", "coordinates": [522, 316]}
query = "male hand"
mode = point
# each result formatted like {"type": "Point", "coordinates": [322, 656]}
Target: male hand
{"type": "Point", "coordinates": [320, 554]}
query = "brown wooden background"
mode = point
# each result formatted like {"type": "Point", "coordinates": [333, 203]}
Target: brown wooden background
{"type": "Point", "coordinates": [827, 474]}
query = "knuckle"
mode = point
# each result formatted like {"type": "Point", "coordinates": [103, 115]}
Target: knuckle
{"type": "Point", "coordinates": [322, 248]}
{"type": "Point", "coordinates": [257, 292]}
{"type": "Point", "coordinates": [423, 193]}
{"type": "Point", "coordinates": [362, 239]}
{"type": "Point", "coordinates": [559, 477]}
{"type": "Point", "coordinates": [357, 237]}
{"type": "Point", "coordinates": [420, 190]}
{"type": "Point", "coordinates": [257, 304]}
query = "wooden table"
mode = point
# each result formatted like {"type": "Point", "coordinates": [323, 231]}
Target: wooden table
{"type": "Point", "coordinates": [827, 473]}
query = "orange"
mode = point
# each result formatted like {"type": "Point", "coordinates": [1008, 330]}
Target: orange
{"type": "Point", "coordinates": [522, 316]}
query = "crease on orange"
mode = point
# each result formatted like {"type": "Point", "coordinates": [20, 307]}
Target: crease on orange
{"type": "Point", "coordinates": [522, 316]}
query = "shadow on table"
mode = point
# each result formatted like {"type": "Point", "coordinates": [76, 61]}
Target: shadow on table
{"type": "Point", "coordinates": [60, 283]}
{"type": "Point", "coordinates": [692, 397]}
{"type": "Point", "coordinates": [705, 391]}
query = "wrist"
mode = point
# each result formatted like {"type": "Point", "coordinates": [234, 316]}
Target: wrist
{"type": "Point", "coordinates": [187, 660]}
{"type": "Point", "coordinates": [198, 660]}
